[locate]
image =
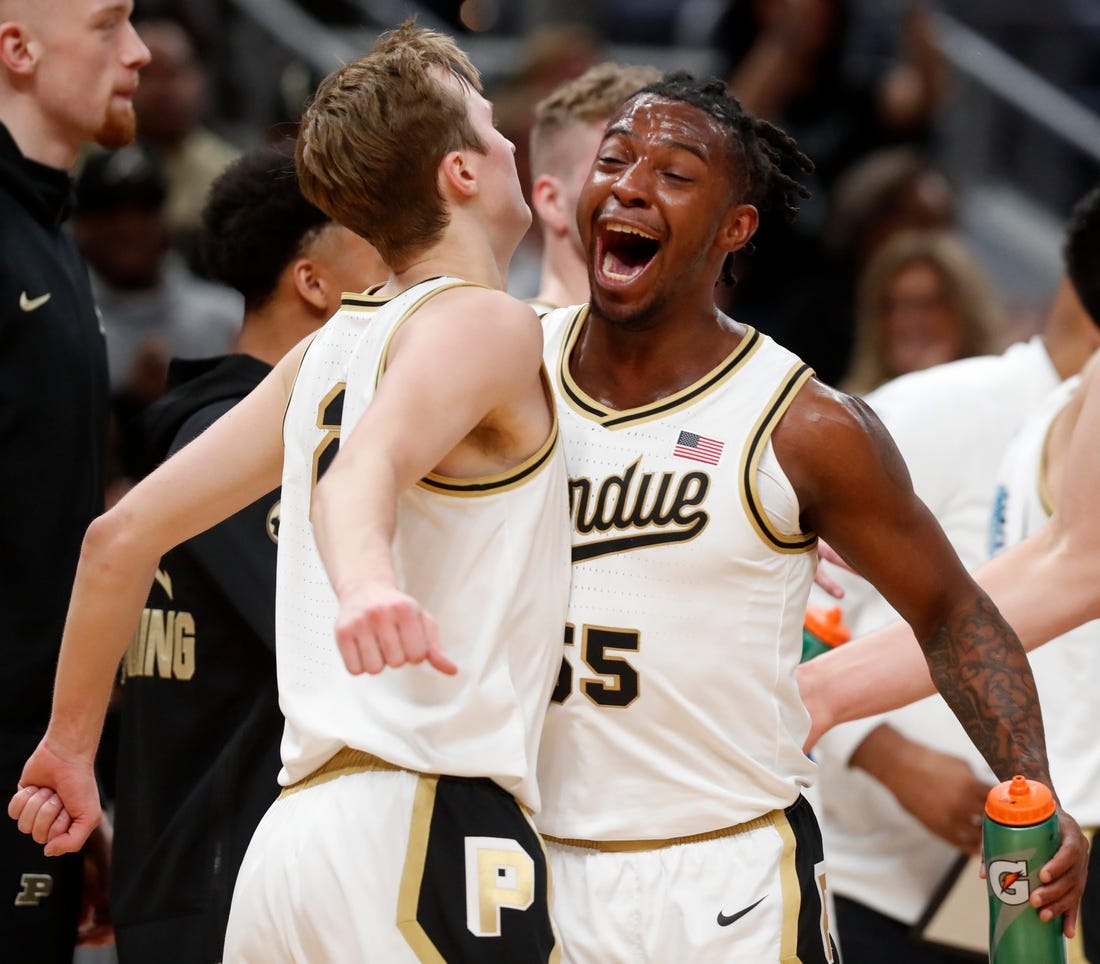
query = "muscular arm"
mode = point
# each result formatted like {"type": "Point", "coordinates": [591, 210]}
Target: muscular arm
{"type": "Point", "coordinates": [465, 372]}
{"type": "Point", "coordinates": [237, 460]}
{"type": "Point", "coordinates": [972, 654]}
{"type": "Point", "coordinates": [1044, 586]}
{"type": "Point", "coordinates": [855, 492]}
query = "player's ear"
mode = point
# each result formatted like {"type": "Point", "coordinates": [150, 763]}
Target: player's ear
{"type": "Point", "coordinates": [548, 200]}
{"type": "Point", "coordinates": [457, 176]}
{"type": "Point", "coordinates": [18, 50]}
{"type": "Point", "coordinates": [738, 227]}
{"type": "Point", "coordinates": [310, 283]}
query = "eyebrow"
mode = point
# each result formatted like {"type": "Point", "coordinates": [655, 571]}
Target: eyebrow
{"type": "Point", "coordinates": [669, 142]}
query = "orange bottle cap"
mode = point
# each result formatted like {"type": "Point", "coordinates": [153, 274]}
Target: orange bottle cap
{"type": "Point", "coordinates": [827, 625]}
{"type": "Point", "coordinates": [1019, 802]}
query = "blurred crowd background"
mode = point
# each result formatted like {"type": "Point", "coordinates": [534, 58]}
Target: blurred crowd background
{"type": "Point", "coordinates": [950, 137]}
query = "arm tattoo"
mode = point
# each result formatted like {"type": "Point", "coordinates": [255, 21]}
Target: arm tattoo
{"type": "Point", "coordinates": [981, 670]}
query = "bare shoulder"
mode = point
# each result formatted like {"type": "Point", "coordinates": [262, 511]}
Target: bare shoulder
{"type": "Point", "coordinates": [487, 307]}
{"type": "Point", "coordinates": [486, 320]}
{"type": "Point", "coordinates": [821, 416]}
{"type": "Point", "coordinates": [829, 441]}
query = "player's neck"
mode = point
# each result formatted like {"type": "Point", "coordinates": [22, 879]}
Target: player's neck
{"type": "Point", "coordinates": [269, 332]}
{"type": "Point", "coordinates": [455, 256]}
{"type": "Point", "coordinates": [627, 366]}
{"type": "Point", "coordinates": [36, 137]}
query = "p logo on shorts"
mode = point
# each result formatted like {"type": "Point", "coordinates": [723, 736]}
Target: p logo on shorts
{"type": "Point", "coordinates": [34, 888]}
{"type": "Point", "coordinates": [499, 874]}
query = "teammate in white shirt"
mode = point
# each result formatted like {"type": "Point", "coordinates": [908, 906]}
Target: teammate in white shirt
{"type": "Point", "coordinates": [890, 843]}
{"type": "Point", "coordinates": [401, 835]}
{"type": "Point", "coordinates": [704, 460]}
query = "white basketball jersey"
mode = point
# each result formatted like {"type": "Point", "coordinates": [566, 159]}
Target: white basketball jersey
{"type": "Point", "coordinates": [487, 557]}
{"type": "Point", "coordinates": [677, 710]}
{"type": "Point", "coordinates": [1066, 669]}
{"type": "Point", "coordinates": [1022, 503]}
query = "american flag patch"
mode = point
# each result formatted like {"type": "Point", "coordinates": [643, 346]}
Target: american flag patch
{"type": "Point", "coordinates": [698, 448]}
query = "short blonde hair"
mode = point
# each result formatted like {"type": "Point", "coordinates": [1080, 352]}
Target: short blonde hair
{"type": "Point", "coordinates": [966, 286]}
{"type": "Point", "coordinates": [371, 141]}
{"type": "Point", "coordinates": [593, 96]}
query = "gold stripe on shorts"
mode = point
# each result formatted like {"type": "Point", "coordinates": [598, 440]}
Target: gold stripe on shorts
{"type": "Point", "coordinates": [635, 846]}
{"type": "Point", "coordinates": [341, 763]}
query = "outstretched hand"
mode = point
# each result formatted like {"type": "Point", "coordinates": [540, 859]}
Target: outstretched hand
{"type": "Point", "coordinates": [57, 802]}
{"type": "Point", "coordinates": [383, 626]}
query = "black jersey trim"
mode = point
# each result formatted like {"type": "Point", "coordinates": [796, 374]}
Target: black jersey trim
{"type": "Point", "coordinates": [492, 484]}
{"type": "Point", "coordinates": [450, 283]}
{"type": "Point", "coordinates": [781, 400]}
{"type": "Point", "coordinates": [611, 418]}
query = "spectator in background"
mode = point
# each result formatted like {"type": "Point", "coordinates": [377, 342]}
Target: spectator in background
{"type": "Point", "coordinates": [568, 128]}
{"type": "Point", "coordinates": [792, 62]}
{"type": "Point", "coordinates": [151, 304]}
{"type": "Point", "coordinates": [171, 106]}
{"type": "Point", "coordinates": [188, 801]}
{"type": "Point", "coordinates": [924, 300]}
{"type": "Point", "coordinates": [891, 190]}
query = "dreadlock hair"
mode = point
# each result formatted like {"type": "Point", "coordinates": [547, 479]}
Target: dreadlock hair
{"type": "Point", "coordinates": [759, 152]}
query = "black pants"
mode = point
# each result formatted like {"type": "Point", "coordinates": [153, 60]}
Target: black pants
{"type": "Point", "coordinates": [868, 937]}
{"type": "Point", "coordinates": [39, 899]}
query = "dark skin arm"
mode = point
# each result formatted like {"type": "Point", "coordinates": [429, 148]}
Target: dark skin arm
{"type": "Point", "coordinates": [854, 492]}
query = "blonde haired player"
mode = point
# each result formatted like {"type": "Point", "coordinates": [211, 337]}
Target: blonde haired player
{"type": "Point", "coordinates": [401, 835]}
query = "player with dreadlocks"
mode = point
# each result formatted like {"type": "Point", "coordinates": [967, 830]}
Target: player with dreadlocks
{"type": "Point", "coordinates": [704, 460]}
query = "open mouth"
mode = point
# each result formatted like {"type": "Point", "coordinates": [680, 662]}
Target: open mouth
{"type": "Point", "coordinates": [624, 252]}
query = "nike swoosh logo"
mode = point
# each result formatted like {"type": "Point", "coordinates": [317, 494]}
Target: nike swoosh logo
{"type": "Point", "coordinates": [29, 304]}
{"type": "Point", "coordinates": [724, 921]}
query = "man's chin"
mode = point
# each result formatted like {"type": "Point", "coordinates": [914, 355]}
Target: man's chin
{"type": "Point", "coordinates": [119, 129]}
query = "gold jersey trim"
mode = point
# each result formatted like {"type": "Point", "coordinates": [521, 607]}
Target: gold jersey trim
{"type": "Point", "coordinates": [750, 464]}
{"type": "Point", "coordinates": [407, 313]}
{"type": "Point", "coordinates": [502, 482]}
{"type": "Point", "coordinates": [481, 485]}
{"type": "Point", "coordinates": [1046, 497]}
{"type": "Point", "coordinates": [342, 763]}
{"type": "Point", "coordinates": [638, 846]}
{"type": "Point", "coordinates": [609, 418]}
{"type": "Point", "coordinates": [365, 300]}
{"type": "Point", "coordinates": [294, 382]}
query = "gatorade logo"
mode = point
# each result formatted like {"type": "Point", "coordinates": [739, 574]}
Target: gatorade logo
{"type": "Point", "coordinates": [1009, 882]}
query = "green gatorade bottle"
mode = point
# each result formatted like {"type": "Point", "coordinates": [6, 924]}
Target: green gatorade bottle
{"type": "Point", "coordinates": [822, 630]}
{"type": "Point", "coordinates": [1019, 834]}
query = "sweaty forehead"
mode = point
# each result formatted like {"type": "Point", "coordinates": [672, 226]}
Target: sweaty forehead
{"type": "Point", "coordinates": [670, 122]}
